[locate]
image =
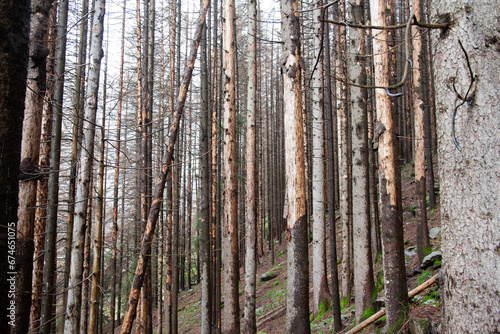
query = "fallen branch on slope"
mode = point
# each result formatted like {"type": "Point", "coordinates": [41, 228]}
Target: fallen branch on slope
{"type": "Point", "coordinates": [380, 313]}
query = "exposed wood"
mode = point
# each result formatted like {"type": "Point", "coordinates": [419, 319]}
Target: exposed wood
{"type": "Point", "coordinates": [390, 206]}
{"type": "Point", "coordinates": [297, 315]}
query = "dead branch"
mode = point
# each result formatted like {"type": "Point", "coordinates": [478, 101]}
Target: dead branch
{"type": "Point", "coordinates": [380, 313]}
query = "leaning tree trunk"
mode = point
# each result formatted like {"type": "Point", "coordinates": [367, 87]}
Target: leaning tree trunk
{"type": "Point", "coordinates": [396, 296]}
{"type": "Point", "coordinates": [72, 324]}
{"type": "Point", "coordinates": [297, 310]}
{"type": "Point", "coordinates": [467, 68]}
{"type": "Point", "coordinates": [30, 149]}
{"type": "Point", "coordinates": [160, 185]}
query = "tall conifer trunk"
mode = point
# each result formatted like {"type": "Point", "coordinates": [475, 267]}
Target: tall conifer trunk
{"type": "Point", "coordinates": [297, 311]}
{"type": "Point", "coordinates": [251, 207]}
{"type": "Point", "coordinates": [396, 294]}
{"type": "Point", "coordinates": [72, 324]}
{"type": "Point", "coordinates": [231, 319]}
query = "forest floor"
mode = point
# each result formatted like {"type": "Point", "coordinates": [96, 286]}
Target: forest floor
{"type": "Point", "coordinates": [271, 295]}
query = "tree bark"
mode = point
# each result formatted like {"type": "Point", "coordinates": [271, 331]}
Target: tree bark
{"type": "Point", "coordinates": [231, 312]}
{"type": "Point", "coordinates": [321, 294]}
{"type": "Point", "coordinates": [205, 247]}
{"type": "Point", "coordinates": [297, 312]}
{"type": "Point", "coordinates": [72, 324]}
{"type": "Point", "coordinates": [251, 207]}
{"type": "Point", "coordinates": [42, 190]}
{"type": "Point", "coordinates": [418, 110]}
{"type": "Point", "coordinates": [396, 298]}
{"type": "Point", "coordinates": [329, 114]}
{"type": "Point", "coordinates": [30, 173]}
{"type": "Point", "coordinates": [14, 57]}
{"type": "Point", "coordinates": [363, 270]}
{"type": "Point", "coordinates": [467, 68]}
{"type": "Point", "coordinates": [49, 269]}
{"type": "Point", "coordinates": [97, 259]}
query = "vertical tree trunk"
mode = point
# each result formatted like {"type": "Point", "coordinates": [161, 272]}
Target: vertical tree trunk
{"type": "Point", "coordinates": [189, 202]}
{"type": "Point", "coordinates": [467, 68]}
{"type": "Point", "coordinates": [205, 257]}
{"type": "Point", "coordinates": [42, 190]}
{"type": "Point", "coordinates": [169, 202]}
{"type": "Point", "coordinates": [321, 294]}
{"type": "Point", "coordinates": [396, 295]}
{"type": "Point", "coordinates": [114, 236]}
{"type": "Point", "coordinates": [49, 269]}
{"type": "Point", "coordinates": [231, 318]}
{"type": "Point", "coordinates": [78, 103]}
{"type": "Point", "coordinates": [215, 191]}
{"type": "Point", "coordinates": [84, 310]}
{"type": "Point", "coordinates": [251, 208]}
{"type": "Point", "coordinates": [297, 311]}
{"type": "Point", "coordinates": [14, 57]}
{"type": "Point", "coordinates": [363, 270]}
{"type": "Point", "coordinates": [330, 192]}
{"type": "Point", "coordinates": [344, 180]}
{"type": "Point", "coordinates": [418, 110]}
{"type": "Point", "coordinates": [72, 324]}
{"type": "Point", "coordinates": [30, 148]}
{"type": "Point", "coordinates": [97, 260]}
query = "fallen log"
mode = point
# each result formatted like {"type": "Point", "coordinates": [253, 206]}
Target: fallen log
{"type": "Point", "coordinates": [380, 313]}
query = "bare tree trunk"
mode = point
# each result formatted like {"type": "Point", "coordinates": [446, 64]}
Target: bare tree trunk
{"type": "Point", "coordinates": [42, 190]}
{"type": "Point", "coordinates": [116, 181]}
{"type": "Point", "coordinates": [396, 298]}
{"type": "Point", "coordinates": [329, 114]}
{"type": "Point", "coordinates": [363, 270]}
{"type": "Point", "coordinates": [467, 68]}
{"type": "Point", "coordinates": [84, 310]}
{"type": "Point", "coordinates": [98, 242]}
{"type": "Point", "coordinates": [205, 258]}
{"type": "Point", "coordinates": [321, 294]}
{"type": "Point", "coordinates": [189, 202]}
{"type": "Point", "coordinates": [418, 110]}
{"type": "Point", "coordinates": [78, 104]}
{"type": "Point", "coordinates": [297, 311]}
{"type": "Point", "coordinates": [231, 316]}
{"type": "Point", "coordinates": [30, 173]}
{"type": "Point", "coordinates": [86, 159]}
{"type": "Point", "coordinates": [251, 208]}
{"type": "Point", "coordinates": [47, 320]}
{"type": "Point", "coordinates": [160, 185]}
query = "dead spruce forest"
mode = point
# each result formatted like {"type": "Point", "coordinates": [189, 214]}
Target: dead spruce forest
{"type": "Point", "coordinates": [230, 166]}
